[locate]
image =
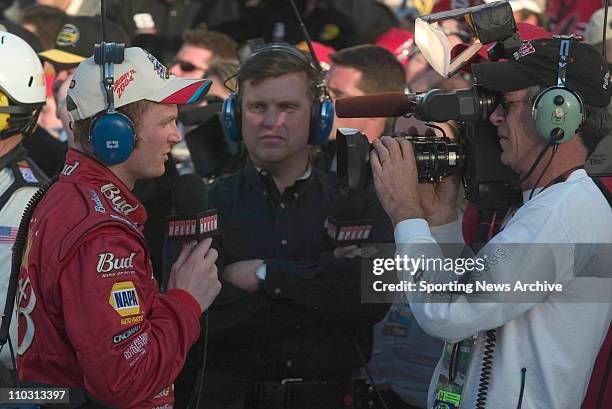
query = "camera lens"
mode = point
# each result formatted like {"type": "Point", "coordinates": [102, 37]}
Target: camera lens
{"type": "Point", "coordinates": [436, 157]}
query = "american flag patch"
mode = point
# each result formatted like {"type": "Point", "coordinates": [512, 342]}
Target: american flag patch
{"type": "Point", "coordinates": [8, 234]}
{"type": "Point", "coordinates": [26, 172]}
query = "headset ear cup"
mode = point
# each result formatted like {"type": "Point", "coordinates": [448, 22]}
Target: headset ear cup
{"type": "Point", "coordinates": [558, 109]}
{"type": "Point", "coordinates": [231, 121]}
{"type": "Point", "coordinates": [112, 136]}
{"type": "Point", "coordinates": [4, 117]}
{"type": "Point", "coordinates": [321, 121]}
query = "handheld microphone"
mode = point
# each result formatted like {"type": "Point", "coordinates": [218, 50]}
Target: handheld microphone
{"type": "Point", "coordinates": [346, 224]}
{"type": "Point", "coordinates": [193, 220]}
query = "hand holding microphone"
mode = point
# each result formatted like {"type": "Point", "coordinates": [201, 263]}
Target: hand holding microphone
{"type": "Point", "coordinates": [194, 271]}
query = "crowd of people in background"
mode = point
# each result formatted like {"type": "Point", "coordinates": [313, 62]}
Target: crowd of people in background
{"type": "Point", "coordinates": [310, 325]}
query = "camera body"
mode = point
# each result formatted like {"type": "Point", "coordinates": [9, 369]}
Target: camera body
{"type": "Point", "coordinates": [475, 154]}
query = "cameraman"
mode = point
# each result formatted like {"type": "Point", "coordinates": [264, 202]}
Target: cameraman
{"type": "Point", "coordinates": [522, 352]}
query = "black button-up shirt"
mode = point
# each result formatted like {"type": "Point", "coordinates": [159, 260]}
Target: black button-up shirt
{"type": "Point", "coordinates": [306, 317]}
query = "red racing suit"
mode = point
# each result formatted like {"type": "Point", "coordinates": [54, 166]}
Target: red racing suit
{"type": "Point", "coordinates": [90, 314]}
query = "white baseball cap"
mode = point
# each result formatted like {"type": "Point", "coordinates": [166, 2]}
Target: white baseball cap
{"type": "Point", "coordinates": [139, 77]}
{"type": "Point", "coordinates": [535, 6]}
{"type": "Point", "coordinates": [594, 29]}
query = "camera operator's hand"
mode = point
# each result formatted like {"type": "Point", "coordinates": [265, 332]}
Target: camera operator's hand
{"type": "Point", "coordinates": [396, 179]}
{"type": "Point", "coordinates": [439, 200]}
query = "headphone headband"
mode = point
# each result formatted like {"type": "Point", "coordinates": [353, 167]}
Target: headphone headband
{"type": "Point", "coordinates": [564, 53]}
{"type": "Point", "coordinates": [322, 110]}
{"type": "Point", "coordinates": [283, 47]}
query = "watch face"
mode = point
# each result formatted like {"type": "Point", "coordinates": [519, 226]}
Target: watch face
{"type": "Point", "coordinates": [261, 271]}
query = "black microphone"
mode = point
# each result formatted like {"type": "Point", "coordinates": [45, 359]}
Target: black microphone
{"type": "Point", "coordinates": [388, 104]}
{"type": "Point", "coordinates": [346, 225]}
{"type": "Point", "coordinates": [193, 220]}
{"type": "Point", "coordinates": [197, 115]}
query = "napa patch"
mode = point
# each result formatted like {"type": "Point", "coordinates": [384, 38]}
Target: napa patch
{"type": "Point", "coordinates": [124, 299]}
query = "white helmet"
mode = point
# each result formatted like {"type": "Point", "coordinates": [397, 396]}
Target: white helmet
{"type": "Point", "coordinates": [22, 77]}
{"type": "Point", "coordinates": [22, 86]}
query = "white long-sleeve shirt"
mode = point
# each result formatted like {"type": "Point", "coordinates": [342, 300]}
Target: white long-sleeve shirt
{"type": "Point", "coordinates": [554, 335]}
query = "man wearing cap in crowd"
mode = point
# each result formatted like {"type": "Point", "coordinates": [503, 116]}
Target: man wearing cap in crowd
{"type": "Point", "coordinates": [20, 105]}
{"type": "Point", "coordinates": [540, 346]}
{"type": "Point", "coordinates": [90, 313]}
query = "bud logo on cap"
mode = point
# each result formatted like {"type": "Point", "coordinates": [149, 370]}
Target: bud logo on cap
{"type": "Point", "coordinates": [68, 36]}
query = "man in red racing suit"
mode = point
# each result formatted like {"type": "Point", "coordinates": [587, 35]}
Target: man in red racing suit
{"type": "Point", "coordinates": [90, 315]}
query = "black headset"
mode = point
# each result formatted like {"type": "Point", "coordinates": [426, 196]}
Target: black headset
{"type": "Point", "coordinates": [321, 112]}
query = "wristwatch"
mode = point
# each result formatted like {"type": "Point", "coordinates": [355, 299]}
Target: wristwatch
{"type": "Point", "coordinates": [261, 272]}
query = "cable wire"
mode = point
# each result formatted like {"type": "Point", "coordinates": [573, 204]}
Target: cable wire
{"type": "Point", "coordinates": [367, 371]}
{"type": "Point", "coordinates": [201, 380]}
{"type": "Point", "coordinates": [485, 371]}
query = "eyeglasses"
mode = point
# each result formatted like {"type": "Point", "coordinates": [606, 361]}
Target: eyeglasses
{"type": "Point", "coordinates": [186, 66]}
{"type": "Point", "coordinates": [505, 103]}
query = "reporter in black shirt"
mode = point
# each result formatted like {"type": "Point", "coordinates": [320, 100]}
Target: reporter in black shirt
{"type": "Point", "coordinates": [289, 308]}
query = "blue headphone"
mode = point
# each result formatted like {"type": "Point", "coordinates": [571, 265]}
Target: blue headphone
{"type": "Point", "coordinates": [321, 112]}
{"type": "Point", "coordinates": [112, 134]}
{"type": "Point", "coordinates": [559, 111]}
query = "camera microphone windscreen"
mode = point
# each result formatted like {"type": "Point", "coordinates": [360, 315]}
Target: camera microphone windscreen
{"type": "Point", "coordinates": [347, 224]}
{"type": "Point", "coordinates": [193, 220]}
{"type": "Point", "coordinates": [389, 104]}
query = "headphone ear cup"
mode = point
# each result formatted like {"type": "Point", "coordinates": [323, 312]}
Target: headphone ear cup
{"type": "Point", "coordinates": [558, 109]}
{"type": "Point", "coordinates": [112, 136]}
{"type": "Point", "coordinates": [231, 121]}
{"type": "Point", "coordinates": [4, 117]}
{"type": "Point", "coordinates": [321, 121]}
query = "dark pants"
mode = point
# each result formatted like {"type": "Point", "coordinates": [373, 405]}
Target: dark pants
{"type": "Point", "coordinates": [394, 401]}
{"type": "Point", "coordinates": [274, 395]}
